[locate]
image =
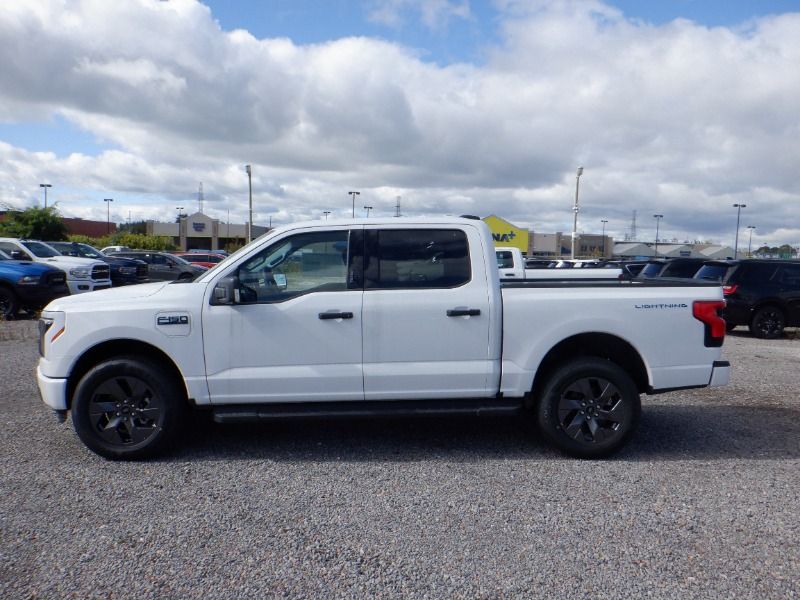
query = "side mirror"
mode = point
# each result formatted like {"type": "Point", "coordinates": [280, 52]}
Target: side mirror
{"type": "Point", "coordinates": [225, 291]}
{"type": "Point", "coordinates": [19, 255]}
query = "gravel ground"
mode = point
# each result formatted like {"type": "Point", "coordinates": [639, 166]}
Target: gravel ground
{"type": "Point", "coordinates": [702, 504]}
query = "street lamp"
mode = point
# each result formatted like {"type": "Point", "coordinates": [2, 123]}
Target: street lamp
{"type": "Point", "coordinates": [738, 208]}
{"type": "Point", "coordinates": [249, 170]}
{"type": "Point", "coordinates": [604, 221]}
{"type": "Point", "coordinates": [750, 241]}
{"type": "Point", "coordinates": [368, 208]}
{"type": "Point", "coordinates": [326, 213]}
{"type": "Point", "coordinates": [108, 202]}
{"type": "Point", "coordinates": [575, 211]}
{"type": "Point", "coordinates": [179, 209]}
{"type": "Point", "coordinates": [354, 194]}
{"type": "Point", "coordinates": [658, 221]}
{"type": "Point", "coordinates": [44, 186]}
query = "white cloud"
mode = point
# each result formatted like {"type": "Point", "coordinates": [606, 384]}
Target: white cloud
{"type": "Point", "coordinates": [678, 119]}
{"type": "Point", "coordinates": [434, 14]}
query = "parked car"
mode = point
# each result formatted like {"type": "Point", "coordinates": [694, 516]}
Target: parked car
{"type": "Point", "coordinates": [512, 266]}
{"type": "Point", "coordinates": [415, 320]}
{"type": "Point", "coordinates": [124, 271]}
{"type": "Point", "coordinates": [110, 249]}
{"type": "Point", "coordinates": [83, 274]}
{"type": "Point", "coordinates": [629, 268]}
{"type": "Point", "coordinates": [28, 285]}
{"type": "Point", "coordinates": [760, 293]}
{"type": "Point", "coordinates": [207, 259]}
{"type": "Point", "coordinates": [163, 266]}
{"type": "Point", "coordinates": [684, 267]}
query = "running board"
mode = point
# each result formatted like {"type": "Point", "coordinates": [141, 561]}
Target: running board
{"type": "Point", "coordinates": [243, 413]}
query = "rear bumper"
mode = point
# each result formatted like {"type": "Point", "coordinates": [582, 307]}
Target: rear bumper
{"type": "Point", "coordinates": [52, 391]}
{"type": "Point", "coordinates": [720, 373]}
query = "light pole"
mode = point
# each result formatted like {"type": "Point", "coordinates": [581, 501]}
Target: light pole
{"type": "Point", "coordinates": [249, 170]}
{"type": "Point", "coordinates": [575, 211]}
{"type": "Point", "coordinates": [738, 208]}
{"type": "Point", "coordinates": [658, 221]}
{"type": "Point", "coordinates": [326, 213]}
{"type": "Point", "coordinates": [604, 221]}
{"type": "Point", "coordinates": [354, 194]}
{"type": "Point", "coordinates": [44, 186]}
{"type": "Point", "coordinates": [750, 241]}
{"type": "Point", "coordinates": [108, 202]}
{"type": "Point", "coordinates": [368, 208]}
{"type": "Point", "coordinates": [179, 209]}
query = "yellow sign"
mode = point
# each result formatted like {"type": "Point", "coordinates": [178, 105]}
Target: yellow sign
{"type": "Point", "coordinates": [506, 234]}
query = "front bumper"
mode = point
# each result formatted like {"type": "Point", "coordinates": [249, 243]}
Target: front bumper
{"type": "Point", "coordinates": [720, 373]}
{"type": "Point", "coordinates": [39, 296]}
{"type": "Point", "coordinates": [79, 286]}
{"type": "Point", "coordinates": [52, 391]}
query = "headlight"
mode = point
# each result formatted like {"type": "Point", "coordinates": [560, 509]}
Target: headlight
{"type": "Point", "coordinates": [127, 270]}
{"type": "Point", "coordinates": [29, 280]}
{"type": "Point", "coordinates": [80, 272]}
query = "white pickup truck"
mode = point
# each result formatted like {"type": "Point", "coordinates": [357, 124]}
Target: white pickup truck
{"type": "Point", "coordinates": [374, 317]}
{"type": "Point", "coordinates": [511, 265]}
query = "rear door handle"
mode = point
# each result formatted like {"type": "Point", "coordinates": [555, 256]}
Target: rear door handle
{"type": "Point", "coordinates": [463, 312]}
{"type": "Point", "coordinates": [335, 315]}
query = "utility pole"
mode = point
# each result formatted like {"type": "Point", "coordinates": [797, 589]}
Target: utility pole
{"type": "Point", "coordinates": [750, 241]}
{"type": "Point", "coordinates": [44, 186]}
{"type": "Point", "coordinates": [658, 220]}
{"type": "Point", "coordinates": [354, 194]}
{"type": "Point", "coordinates": [575, 212]}
{"type": "Point", "coordinates": [368, 208]}
{"type": "Point", "coordinates": [108, 202]}
{"type": "Point", "coordinates": [738, 208]}
{"type": "Point", "coordinates": [249, 170]}
{"type": "Point", "coordinates": [604, 221]}
{"type": "Point", "coordinates": [397, 208]}
{"type": "Point", "coordinates": [326, 213]}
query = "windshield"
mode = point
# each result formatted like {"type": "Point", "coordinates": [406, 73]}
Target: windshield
{"type": "Point", "coordinates": [75, 249]}
{"type": "Point", "coordinates": [179, 259]}
{"type": "Point", "coordinates": [651, 270]}
{"type": "Point", "coordinates": [40, 250]}
{"type": "Point", "coordinates": [712, 272]}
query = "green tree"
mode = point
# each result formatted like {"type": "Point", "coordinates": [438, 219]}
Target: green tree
{"type": "Point", "coordinates": [35, 223]}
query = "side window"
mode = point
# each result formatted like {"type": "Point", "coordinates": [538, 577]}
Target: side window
{"type": "Point", "coordinates": [14, 251]}
{"type": "Point", "coordinates": [297, 265]}
{"type": "Point", "coordinates": [790, 275]}
{"type": "Point", "coordinates": [156, 259]}
{"type": "Point", "coordinates": [416, 258]}
{"type": "Point", "coordinates": [505, 260]}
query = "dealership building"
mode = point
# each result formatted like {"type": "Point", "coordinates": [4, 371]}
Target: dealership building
{"type": "Point", "coordinates": [548, 245]}
{"type": "Point", "coordinates": [200, 232]}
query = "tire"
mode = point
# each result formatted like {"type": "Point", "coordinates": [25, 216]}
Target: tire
{"type": "Point", "coordinates": [768, 323]}
{"type": "Point", "coordinates": [589, 408]}
{"type": "Point", "coordinates": [9, 305]}
{"type": "Point", "coordinates": [128, 408]}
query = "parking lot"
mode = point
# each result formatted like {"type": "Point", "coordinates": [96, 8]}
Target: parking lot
{"type": "Point", "coordinates": [704, 503]}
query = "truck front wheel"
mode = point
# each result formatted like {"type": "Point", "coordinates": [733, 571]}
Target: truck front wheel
{"type": "Point", "coordinates": [128, 408]}
{"type": "Point", "coordinates": [589, 408]}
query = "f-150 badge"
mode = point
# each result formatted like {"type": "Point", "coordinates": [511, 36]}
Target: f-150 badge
{"type": "Point", "coordinates": [173, 320]}
{"type": "Point", "coordinates": [173, 325]}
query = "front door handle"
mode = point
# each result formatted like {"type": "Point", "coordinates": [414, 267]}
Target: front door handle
{"type": "Point", "coordinates": [463, 312]}
{"type": "Point", "coordinates": [335, 315]}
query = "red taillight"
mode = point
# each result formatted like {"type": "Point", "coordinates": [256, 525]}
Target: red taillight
{"type": "Point", "coordinates": [729, 289]}
{"type": "Point", "coordinates": [709, 312]}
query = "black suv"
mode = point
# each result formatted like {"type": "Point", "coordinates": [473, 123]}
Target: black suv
{"type": "Point", "coordinates": [762, 294]}
{"type": "Point", "coordinates": [672, 267]}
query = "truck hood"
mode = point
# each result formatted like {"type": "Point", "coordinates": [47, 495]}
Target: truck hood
{"type": "Point", "coordinates": [25, 267]}
{"type": "Point", "coordinates": [67, 262]}
{"type": "Point", "coordinates": [110, 297]}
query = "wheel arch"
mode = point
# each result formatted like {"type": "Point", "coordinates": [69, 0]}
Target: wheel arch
{"type": "Point", "coordinates": [120, 347]}
{"type": "Point", "coordinates": [594, 344]}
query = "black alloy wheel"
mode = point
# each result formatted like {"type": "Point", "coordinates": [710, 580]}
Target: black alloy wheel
{"type": "Point", "coordinates": [589, 408]}
{"type": "Point", "coordinates": [127, 408]}
{"type": "Point", "coordinates": [8, 304]}
{"type": "Point", "coordinates": [768, 323]}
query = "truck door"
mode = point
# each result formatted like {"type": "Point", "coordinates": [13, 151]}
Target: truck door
{"type": "Point", "coordinates": [426, 315]}
{"type": "Point", "coordinates": [294, 333]}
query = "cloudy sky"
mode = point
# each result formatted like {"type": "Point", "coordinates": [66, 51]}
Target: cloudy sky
{"type": "Point", "coordinates": [680, 107]}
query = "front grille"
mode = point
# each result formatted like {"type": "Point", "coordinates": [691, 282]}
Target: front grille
{"type": "Point", "coordinates": [101, 272]}
{"type": "Point", "coordinates": [56, 279]}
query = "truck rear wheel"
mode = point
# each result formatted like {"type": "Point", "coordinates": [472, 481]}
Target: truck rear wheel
{"type": "Point", "coordinates": [128, 408]}
{"type": "Point", "coordinates": [589, 408]}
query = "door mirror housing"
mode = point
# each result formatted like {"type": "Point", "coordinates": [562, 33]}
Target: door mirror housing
{"type": "Point", "coordinates": [225, 292]}
{"type": "Point", "coordinates": [19, 255]}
